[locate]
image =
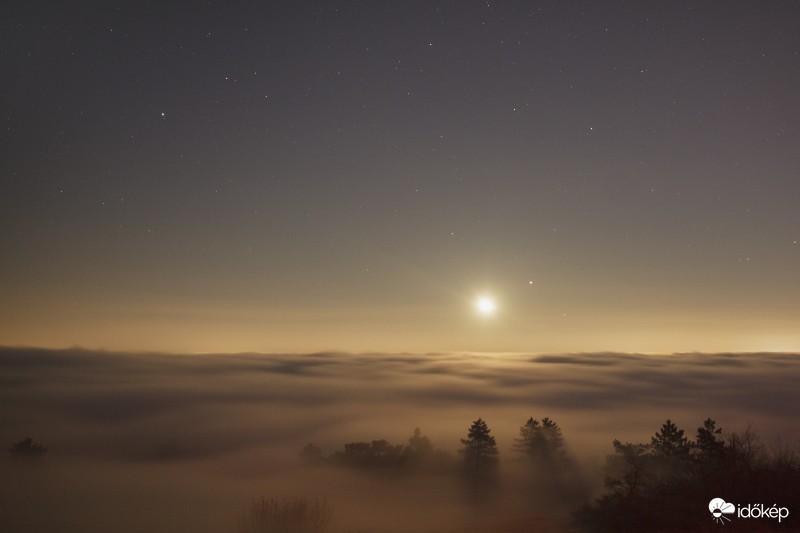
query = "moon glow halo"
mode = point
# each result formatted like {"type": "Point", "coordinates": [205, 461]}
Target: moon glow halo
{"type": "Point", "coordinates": [485, 305]}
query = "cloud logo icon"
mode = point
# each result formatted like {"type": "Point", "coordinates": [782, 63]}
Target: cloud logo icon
{"type": "Point", "coordinates": [719, 508]}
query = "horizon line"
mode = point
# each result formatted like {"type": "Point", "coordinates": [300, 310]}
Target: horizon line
{"type": "Point", "coordinates": [477, 353]}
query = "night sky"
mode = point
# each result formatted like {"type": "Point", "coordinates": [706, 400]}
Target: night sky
{"type": "Point", "coordinates": [296, 176]}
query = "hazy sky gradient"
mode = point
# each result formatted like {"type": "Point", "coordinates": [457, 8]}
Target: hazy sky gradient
{"type": "Point", "coordinates": [294, 176]}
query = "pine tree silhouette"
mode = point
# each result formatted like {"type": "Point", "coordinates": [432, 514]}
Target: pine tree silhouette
{"type": "Point", "coordinates": [540, 442]}
{"type": "Point", "coordinates": [27, 450]}
{"type": "Point", "coordinates": [480, 450]}
{"type": "Point", "coordinates": [708, 443]}
{"type": "Point", "coordinates": [670, 442]}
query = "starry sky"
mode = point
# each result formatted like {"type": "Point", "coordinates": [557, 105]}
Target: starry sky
{"type": "Point", "coordinates": [298, 176]}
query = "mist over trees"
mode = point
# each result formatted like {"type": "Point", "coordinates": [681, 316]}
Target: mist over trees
{"type": "Point", "coordinates": [661, 485]}
{"type": "Point", "coordinates": [417, 456]}
{"type": "Point", "coordinates": [479, 452]}
{"type": "Point", "coordinates": [162, 443]}
{"type": "Point", "coordinates": [549, 470]}
{"type": "Point", "coordinates": [540, 468]}
{"type": "Point", "coordinates": [27, 450]}
{"type": "Point", "coordinates": [666, 484]}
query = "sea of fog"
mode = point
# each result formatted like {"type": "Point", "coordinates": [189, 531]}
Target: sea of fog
{"type": "Point", "coordinates": [163, 443]}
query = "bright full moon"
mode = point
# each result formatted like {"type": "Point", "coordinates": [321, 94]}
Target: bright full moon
{"type": "Point", "coordinates": [485, 305]}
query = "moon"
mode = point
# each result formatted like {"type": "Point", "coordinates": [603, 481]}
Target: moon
{"type": "Point", "coordinates": [485, 305]}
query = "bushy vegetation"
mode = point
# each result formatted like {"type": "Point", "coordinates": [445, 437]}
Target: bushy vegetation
{"type": "Point", "coordinates": [417, 456]}
{"type": "Point", "coordinates": [666, 484]}
{"type": "Point", "coordinates": [27, 450]}
{"type": "Point", "coordinates": [296, 515]}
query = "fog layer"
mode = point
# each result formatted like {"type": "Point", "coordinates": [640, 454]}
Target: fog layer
{"type": "Point", "coordinates": [163, 442]}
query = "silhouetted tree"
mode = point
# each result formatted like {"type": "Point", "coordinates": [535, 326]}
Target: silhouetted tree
{"type": "Point", "coordinates": [746, 450]}
{"type": "Point", "coordinates": [311, 454]}
{"type": "Point", "coordinates": [375, 454]}
{"type": "Point", "coordinates": [418, 451]}
{"type": "Point", "coordinates": [670, 442]}
{"type": "Point", "coordinates": [553, 434]}
{"type": "Point", "coordinates": [629, 468]}
{"type": "Point", "coordinates": [642, 478]}
{"type": "Point", "coordinates": [421, 457]}
{"type": "Point", "coordinates": [479, 450]}
{"type": "Point", "coordinates": [551, 475]}
{"type": "Point", "coordinates": [657, 486]}
{"type": "Point", "coordinates": [530, 441]}
{"type": "Point", "coordinates": [418, 445]}
{"type": "Point", "coordinates": [27, 449]}
{"type": "Point", "coordinates": [418, 456]}
{"type": "Point", "coordinates": [670, 451]}
{"type": "Point", "coordinates": [540, 442]}
{"type": "Point", "coordinates": [708, 444]}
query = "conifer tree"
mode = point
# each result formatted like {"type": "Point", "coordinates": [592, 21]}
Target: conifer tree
{"type": "Point", "coordinates": [530, 439]}
{"type": "Point", "coordinates": [540, 441]}
{"type": "Point", "coordinates": [27, 449]}
{"type": "Point", "coordinates": [708, 443]}
{"type": "Point", "coordinates": [480, 450]}
{"type": "Point", "coordinates": [670, 441]}
{"type": "Point", "coordinates": [553, 436]}
{"type": "Point", "coordinates": [419, 445]}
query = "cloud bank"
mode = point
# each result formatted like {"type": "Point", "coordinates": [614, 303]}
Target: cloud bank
{"type": "Point", "coordinates": [223, 429]}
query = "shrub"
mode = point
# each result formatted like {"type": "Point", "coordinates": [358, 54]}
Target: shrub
{"type": "Point", "coordinates": [27, 449]}
{"type": "Point", "coordinates": [297, 515]}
